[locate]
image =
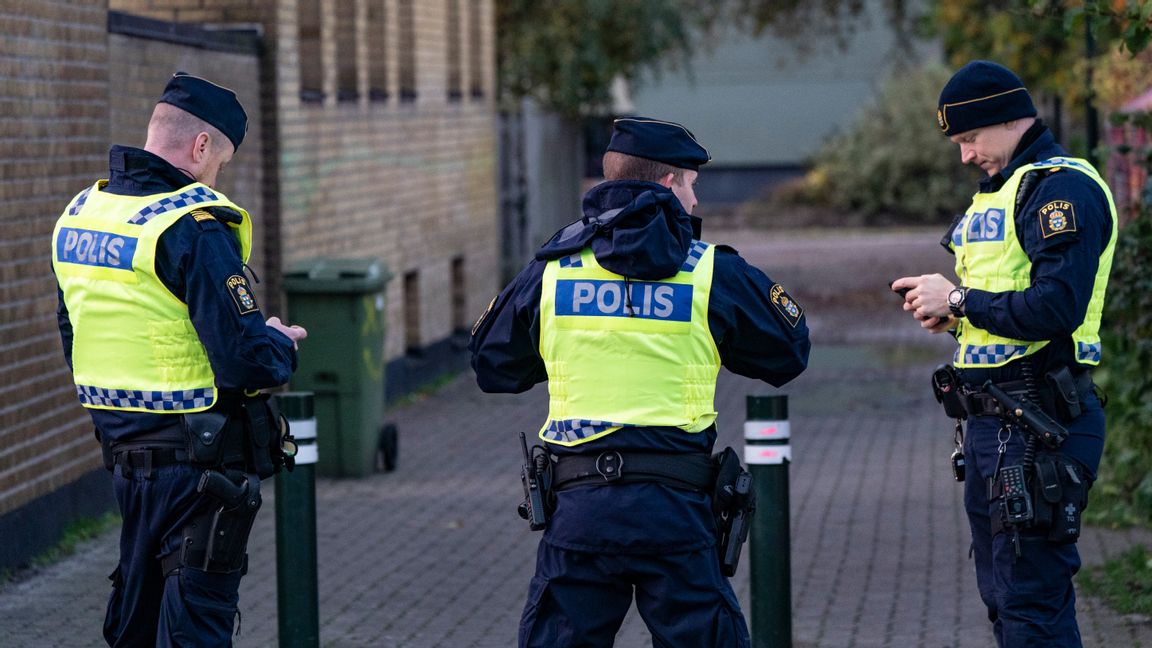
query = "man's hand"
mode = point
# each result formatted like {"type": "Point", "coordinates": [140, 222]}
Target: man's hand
{"type": "Point", "coordinates": [927, 298]}
{"type": "Point", "coordinates": [937, 324]}
{"type": "Point", "coordinates": [294, 333]}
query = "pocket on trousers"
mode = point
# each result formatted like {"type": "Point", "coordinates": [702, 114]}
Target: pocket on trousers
{"type": "Point", "coordinates": [538, 629]}
{"type": "Point", "coordinates": [203, 610]}
{"type": "Point", "coordinates": [112, 614]}
{"type": "Point", "coordinates": [731, 628]}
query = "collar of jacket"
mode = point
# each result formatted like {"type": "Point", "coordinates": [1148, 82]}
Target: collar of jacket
{"type": "Point", "coordinates": [136, 172]}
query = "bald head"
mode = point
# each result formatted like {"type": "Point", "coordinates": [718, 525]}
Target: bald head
{"type": "Point", "coordinates": [188, 143]}
{"type": "Point", "coordinates": [172, 129]}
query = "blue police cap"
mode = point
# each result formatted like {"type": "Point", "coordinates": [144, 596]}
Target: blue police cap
{"type": "Point", "coordinates": [662, 141]}
{"type": "Point", "coordinates": [214, 104]}
{"type": "Point", "coordinates": [982, 93]}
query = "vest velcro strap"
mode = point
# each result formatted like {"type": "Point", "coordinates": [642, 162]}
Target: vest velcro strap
{"type": "Point", "coordinates": [686, 471]}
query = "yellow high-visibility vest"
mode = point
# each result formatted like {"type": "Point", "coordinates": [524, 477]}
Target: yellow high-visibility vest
{"type": "Point", "coordinates": [134, 347]}
{"type": "Point", "coordinates": [989, 257]}
{"type": "Point", "coordinates": [622, 352]}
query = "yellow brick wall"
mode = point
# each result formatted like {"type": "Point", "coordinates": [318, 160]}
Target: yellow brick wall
{"type": "Point", "coordinates": [53, 141]}
{"type": "Point", "coordinates": [411, 183]}
{"type": "Point", "coordinates": [140, 68]}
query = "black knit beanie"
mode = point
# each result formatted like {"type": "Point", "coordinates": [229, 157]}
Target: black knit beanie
{"type": "Point", "coordinates": [982, 93]}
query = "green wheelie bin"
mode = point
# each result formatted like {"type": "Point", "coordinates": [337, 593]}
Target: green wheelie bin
{"type": "Point", "coordinates": [341, 304]}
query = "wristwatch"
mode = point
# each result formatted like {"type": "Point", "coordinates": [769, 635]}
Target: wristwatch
{"type": "Point", "coordinates": [956, 300]}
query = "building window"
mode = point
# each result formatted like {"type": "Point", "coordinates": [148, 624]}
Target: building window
{"type": "Point", "coordinates": [377, 50]}
{"type": "Point", "coordinates": [453, 37]}
{"type": "Point", "coordinates": [476, 49]}
{"type": "Point", "coordinates": [311, 56]}
{"type": "Point", "coordinates": [347, 70]}
{"type": "Point", "coordinates": [406, 19]}
{"type": "Point", "coordinates": [412, 345]}
{"type": "Point", "coordinates": [460, 321]}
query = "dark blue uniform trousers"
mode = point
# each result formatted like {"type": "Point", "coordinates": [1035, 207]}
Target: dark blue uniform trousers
{"type": "Point", "coordinates": [579, 599]}
{"type": "Point", "coordinates": [1030, 598]}
{"type": "Point", "coordinates": [189, 607]}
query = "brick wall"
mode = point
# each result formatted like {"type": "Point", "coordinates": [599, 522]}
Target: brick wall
{"type": "Point", "coordinates": [410, 182]}
{"type": "Point", "coordinates": [140, 67]}
{"type": "Point", "coordinates": [196, 11]}
{"type": "Point", "coordinates": [53, 141]}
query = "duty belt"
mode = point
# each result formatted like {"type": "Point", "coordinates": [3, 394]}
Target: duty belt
{"type": "Point", "coordinates": [693, 471]}
{"type": "Point", "coordinates": [147, 459]}
{"type": "Point", "coordinates": [978, 403]}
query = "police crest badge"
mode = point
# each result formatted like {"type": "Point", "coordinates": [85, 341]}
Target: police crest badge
{"type": "Point", "coordinates": [1057, 217]}
{"type": "Point", "coordinates": [241, 294]}
{"type": "Point", "coordinates": [786, 305]}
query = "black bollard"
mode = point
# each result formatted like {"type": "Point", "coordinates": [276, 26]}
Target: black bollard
{"type": "Point", "coordinates": [297, 595]}
{"type": "Point", "coordinates": [767, 452]}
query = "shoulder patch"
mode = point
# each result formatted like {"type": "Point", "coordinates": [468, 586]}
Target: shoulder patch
{"type": "Point", "coordinates": [201, 215]}
{"type": "Point", "coordinates": [1057, 217]}
{"type": "Point", "coordinates": [237, 286]}
{"type": "Point", "coordinates": [786, 305]}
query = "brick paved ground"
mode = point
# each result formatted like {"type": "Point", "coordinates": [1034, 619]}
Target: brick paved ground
{"type": "Point", "coordinates": [433, 555]}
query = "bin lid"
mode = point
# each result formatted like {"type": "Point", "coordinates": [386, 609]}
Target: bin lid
{"type": "Point", "coordinates": [323, 275]}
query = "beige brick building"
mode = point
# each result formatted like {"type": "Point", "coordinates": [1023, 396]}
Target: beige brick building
{"type": "Point", "coordinates": [372, 135]}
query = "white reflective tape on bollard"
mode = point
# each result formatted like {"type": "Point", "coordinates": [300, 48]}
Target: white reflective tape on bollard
{"type": "Point", "coordinates": [305, 429]}
{"type": "Point", "coordinates": [767, 454]}
{"type": "Point", "coordinates": [767, 430]}
{"type": "Point", "coordinates": [307, 454]}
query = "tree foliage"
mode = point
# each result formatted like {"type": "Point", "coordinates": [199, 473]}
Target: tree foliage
{"type": "Point", "coordinates": [566, 54]}
{"type": "Point", "coordinates": [892, 159]}
{"type": "Point", "coordinates": [1126, 471]}
{"type": "Point", "coordinates": [1044, 41]}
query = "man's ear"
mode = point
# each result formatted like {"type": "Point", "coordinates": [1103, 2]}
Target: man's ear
{"type": "Point", "coordinates": [666, 181]}
{"type": "Point", "coordinates": [200, 147]}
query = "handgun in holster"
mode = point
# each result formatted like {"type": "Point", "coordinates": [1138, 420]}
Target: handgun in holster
{"type": "Point", "coordinates": [216, 539]}
{"type": "Point", "coordinates": [1028, 416]}
{"type": "Point", "coordinates": [733, 506]}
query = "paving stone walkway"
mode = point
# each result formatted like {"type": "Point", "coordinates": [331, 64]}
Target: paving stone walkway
{"type": "Point", "coordinates": [433, 555]}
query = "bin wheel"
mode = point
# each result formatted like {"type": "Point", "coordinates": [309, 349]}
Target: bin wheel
{"type": "Point", "coordinates": [387, 448]}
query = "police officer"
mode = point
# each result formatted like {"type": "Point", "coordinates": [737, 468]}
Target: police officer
{"type": "Point", "coordinates": [1033, 254]}
{"type": "Point", "coordinates": [628, 316]}
{"type": "Point", "coordinates": [164, 337]}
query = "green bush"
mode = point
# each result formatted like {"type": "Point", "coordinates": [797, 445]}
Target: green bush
{"type": "Point", "coordinates": [893, 159]}
{"type": "Point", "coordinates": [1123, 495]}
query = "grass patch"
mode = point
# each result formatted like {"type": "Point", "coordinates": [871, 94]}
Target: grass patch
{"type": "Point", "coordinates": [1124, 583]}
{"type": "Point", "coordinates": [79, 531]}
{"type": "Point", "coordinates": [74, 534]}
{"type": "Point", "coordinates": [425, 390]}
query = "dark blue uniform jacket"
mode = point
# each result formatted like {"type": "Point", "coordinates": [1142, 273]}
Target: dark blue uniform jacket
{"type": "Point", "coordinates": [193, 260]}
{"type": "Point", "coordinates": [639, 230]}
{"type": "Point", "coordinates": [1064, 264]}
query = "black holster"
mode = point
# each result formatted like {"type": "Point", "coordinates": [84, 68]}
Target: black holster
{"type": "Point", "coordinates": [733, 506]}
{"type": "Point", "coordinates": [216, 540]}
